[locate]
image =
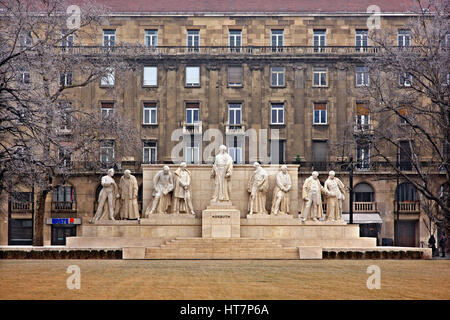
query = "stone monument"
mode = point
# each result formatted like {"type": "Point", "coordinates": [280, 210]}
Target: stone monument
{"type": "Point", "coordinates": [312, 198]}
{"type": "Point", "coordinates": [335, 191]}
{"type": "Point", "coordinates": [107, 206]}
{"type": "Point", "coordinates": [283, 184]}
{"type": "Point", "coordinates": [182, 191]}
{"type": "Point", "coordinates": [257, 187]}
{"type": "Point", "coordinates": [128, 186]}
{"type": "Point", "coordinates": [162, 186]}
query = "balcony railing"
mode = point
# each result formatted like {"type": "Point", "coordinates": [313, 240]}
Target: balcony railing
{"type": "Point", "coordinates": [64, 206]}
{"type": "Point", "coordinates": [407, 206]}
{"type": "Point", "coordinates": [220, 50]}
{"type": "Point", "coordinates": [192, 128]}
{"type": "Point", "coordinates": [364, 207]}
{"type": "Point", "coordinates": [234, 128]}
{"type": "Point", "coordinates": [21, 207]}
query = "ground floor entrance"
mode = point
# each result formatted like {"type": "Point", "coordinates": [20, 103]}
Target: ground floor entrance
{"type": "Point", "coordinates": [60, 232]}
{"type": "Point", "coordinates": [406, 233]}
{"type": "Point", "coordinates": [20, 232]}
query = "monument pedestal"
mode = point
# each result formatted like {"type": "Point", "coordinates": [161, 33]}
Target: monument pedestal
{"type": "Point", "coordinates": [221, 220]}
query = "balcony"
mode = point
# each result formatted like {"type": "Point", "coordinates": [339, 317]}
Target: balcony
{"type": "Point", "coordinates": [364, 207]}
{"type": "Point", "coordinates": [407, 206]}
{"type": "Point", "coordinates": [363, 128]}
{"type": "Point", "coordinates": [64, 207]}
{"type": "Point", "coordinates": [21, 207]}
{"type": "Point", "coordinates": [233, 129]}
{"type": "Point", "coordinates": [192, 128]}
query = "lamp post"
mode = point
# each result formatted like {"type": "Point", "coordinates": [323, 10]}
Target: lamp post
{"type": "Point", "coordinates": [350, 168]}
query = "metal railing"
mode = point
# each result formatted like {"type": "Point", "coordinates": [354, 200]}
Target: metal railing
{"type": "Point", "coordinates": [64, 206]}
{"type": "Point", "coordinates": [407, 206]}
{"type": "Point", "coordinates": [21, 206]}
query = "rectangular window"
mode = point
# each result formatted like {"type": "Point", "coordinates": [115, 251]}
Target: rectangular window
{"type": "Point", "coordinates": [361, 40]}
{"type": "Point", "coordinates": [277, 151]}
{"type": "Point", "coordinates": [277, 76]}
{"type": "Point", "coordinates": [320, 154]}
{"type": "Point", "coordinates": [405, 79]}
{"type": "Point", "coordinates": [192, 76]}
{"type": "Point", "coordinates": [277, 113]}
{"type": "Point", "coordinates": [234, 114]}
{"type": "Point", "coordinates": [320, 113]}
{"type": "Point", "coordinates": [192, 113]}
{"type": "Point", "coordinates": [236, 154]}
{"type": "Point", "coordinates": [64, 156]}
{"type": "Point", "coordinates": [108, 79]}
{"type": "Point", "coordinates": [193, 40]}
{"type": "Point", "coordinates": [235, 76]}
{"type": "Point", "coordinates": [25, 77]}
{"type": "Point", "coordinates": [107, 151]}
{"type": "Point", "coordinates": [67, 41]}
{"type": "Point", "coordinates": [109, 38]}
{"type": "Point", "coordinates": [362, 76]}
{"type": "Point", "coordinates": [107, 110]}
{"type": "Point", "coordinates": [405, 155]}
{"type": "Point", "coordinates": [149, 152]}
{"type": "Point", "coordinates": [65, 79]}
{"type": "Point", "coordinates": [404, 113]}
{"type": "Point", "coordinates": [363, 157]}
{"type": "Point", "coordinates": [150, 76]}
{"type": "Point", "coordinates": [151, 38]}
{"type": "Point", "coordinates": [362, 117]}
{"type": "Point", "coordinates": [320, 77]}
{"type": "Point", "coordinates": [66, 116]}
{"type": "Point", "coordinates": [150, 113]}
{"type": "Point", "coordinates": [277, 40]}
{"type": "Point", "coordinates": [404, 38]}
{"type": "Point", "coordinates": [25, 39]}
{"type": "Point", "coordinates": [192, 155]}
{"type": "Point", "coordinates": [319, 40]}
{"type": "Point", "coordinates": [235, 40]}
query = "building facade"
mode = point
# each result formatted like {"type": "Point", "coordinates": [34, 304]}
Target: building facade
{"type": "Point", "coordinates": [293, 77]}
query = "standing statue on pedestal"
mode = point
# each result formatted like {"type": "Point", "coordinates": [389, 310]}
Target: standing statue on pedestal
{"type": "Point", "coordinates": [335, 190]}
{"type": "Point", "coordinates": [128, 186]}
{"type": "Point", "coordinates": [283, 184]}
{"type": "Point", "coordinates": [162, 186]}
{"type": "Point", "coordinates": [312, 198]}
{"type": "Point", "coordinates": [257, 187]}
{"type": "Point", "coordinates": [107, 198]}
{"type": "Point", "coordinates": [221, 172]}
{"type": "Point", "coordinates": [182, 193]}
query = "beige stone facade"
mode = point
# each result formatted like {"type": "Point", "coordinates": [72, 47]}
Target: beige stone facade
{"type": "Point", "coordinates": [297, 94]}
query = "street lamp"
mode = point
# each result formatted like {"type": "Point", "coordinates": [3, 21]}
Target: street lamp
{"type": "Point", "coordinates": [350, 169]}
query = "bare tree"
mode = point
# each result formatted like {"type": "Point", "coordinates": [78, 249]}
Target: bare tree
{"type": "Point", "coordinates": [43, 123]}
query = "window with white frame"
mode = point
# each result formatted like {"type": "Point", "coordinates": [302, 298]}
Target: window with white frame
{"type": "Point", "coordinates": [150, 113]}
{"type": "Point", "coordinates": [277, 113]}
{"type": "Point", "coordinates": [192, 113]}
{"type": "Point", "coordinates": [405, 79]}
{"type": "Point", "coordinates": [150, 76]}
{"type": "Point", "coordinates": [320, 113]}
{"type": "Point", "coordinates": [362, 116]}
{"type": "Point", "coordinates": [151, 38]}
{"type": "Point", "coordinates": [65, 156]}
{"type": "Point", "coordinates": [107, 110]}
{"type": "Point", "coordinates": [25, 38]}
{"type": "Point", "coordinates": [192, 154]}
{"type": "Point", "coordinates": [277, 40]}
{"type": "Point", "coordinates": [193, 40]}
{"type": "Point", "coordinates": [109, 38]}
{"type": "Point", "coordinates": [363, 156]}
{"type": "Point", "coordinates": [362, 76]}
{"type": "Point", "coordinates": [319, 40]}
{"type": "Point", "coordinates": [235, 40]}
{"type": "Point", "coordinates": [234, 114]}
{"type": "Point", "coordinates": [320, 77]}
{"type": "Point", "coordinates": [108, 78]}
{"type": "Point", "coordinates": [66, 116]}
{"type": "Point", "coordinates": [24, 76]}
{"type": "Point", "coordinates": [277, 151]}
{"type": "Point", "coordinates": [65, 79]}
{"type": "Point", "coordinates": [106, 151]}
{"type": "Point", "coordinates": [149, 152]}
{"type": "Point", "coordinates": [277, 76]}
{"type": "Point", "coordinates": [67, 40]}
{"type": "Point", "coordinates": [404, 38]}
{"type": "Point", "coordinates": [192, 76]}
{"type": "Point", "coordinates": [361, 40]}
{"type": "Point", "coordinates": [236, 154]}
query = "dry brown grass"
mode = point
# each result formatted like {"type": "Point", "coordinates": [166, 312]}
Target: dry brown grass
{"type": "Point", "coordinates": [326, 279]}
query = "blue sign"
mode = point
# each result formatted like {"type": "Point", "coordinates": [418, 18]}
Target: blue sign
{"type": "Point", "coordinates": [63, 220]}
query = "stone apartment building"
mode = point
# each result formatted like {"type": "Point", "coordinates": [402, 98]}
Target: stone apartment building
{"type": "Point", "coordinates": [236, 66]}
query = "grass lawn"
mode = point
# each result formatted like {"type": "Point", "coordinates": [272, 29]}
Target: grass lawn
{"type": "Point", "coordinates": [224, 279]}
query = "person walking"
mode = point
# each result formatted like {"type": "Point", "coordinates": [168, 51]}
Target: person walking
{"type": "Point", "coordinates": [432, 245]}
{"type": "Point", "coordinates": [442, 244]}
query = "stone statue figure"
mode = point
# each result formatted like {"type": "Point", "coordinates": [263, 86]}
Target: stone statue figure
{"type": "Point", "coordinates": [128, 186]}
{"type": "Point", "coordinates": [280, 201]}
{"type": "Point", "coordinates": [182, 192]}
{"type": "Point", "coordinates": [162, 186]}
{"type": "Point", "coordinates": [335, 190]}
{"type": "Point", "coordinates": [221, 172]}
{"type": "Point", "coordinates": [312, 198]}
{"type": "Point", "coordinates": [257, 187]}
{"type": "Point", "coordinates": [107, 198]}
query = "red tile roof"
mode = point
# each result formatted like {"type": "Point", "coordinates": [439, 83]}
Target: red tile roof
{"type": "Point", "coordinates": [257, 6]}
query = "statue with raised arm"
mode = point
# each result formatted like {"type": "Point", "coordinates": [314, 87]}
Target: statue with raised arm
{"type": "Point", "coordinates": [221, 172]}
{"type": "Point", "coordinates": [107, 198]}
{"type": "Point", "coordinates": [283, 184]}
{"type": "Point", "coordinates": [257, 187]}
{"type": "Point", "coordinates": [182, 192]}
{"type": "Point", "coordinates": [128, 186]}
{"type": "Point", "coordinates": [312, 198]}
{"type": "Point", "coordinates": [162, 186]}
{"type": "Point", "coordinates": [335, 197]}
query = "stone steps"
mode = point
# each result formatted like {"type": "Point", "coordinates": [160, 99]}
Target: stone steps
{"type": "Point", "coordinates": [217, 248]}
